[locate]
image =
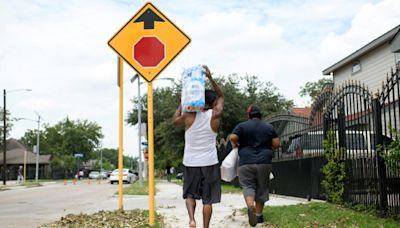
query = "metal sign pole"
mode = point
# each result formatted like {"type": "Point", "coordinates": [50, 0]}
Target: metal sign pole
{"type": "Point", "coordinates": [121, 132]}
{"type": "Point", "coordinates": [150, 141]}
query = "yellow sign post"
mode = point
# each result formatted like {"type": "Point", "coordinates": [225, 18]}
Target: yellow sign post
{"type": "Point", "coordinates": [121, 130]}
{"type": "Point", "coordinates": [148, 42]}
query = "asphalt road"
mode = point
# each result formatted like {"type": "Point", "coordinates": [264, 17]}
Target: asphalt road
{"type": "Point", "coordinates": [31, 207]}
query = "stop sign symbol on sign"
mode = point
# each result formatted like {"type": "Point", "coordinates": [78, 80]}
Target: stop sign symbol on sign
{"type": "Point", "coordinates": [149, 51]}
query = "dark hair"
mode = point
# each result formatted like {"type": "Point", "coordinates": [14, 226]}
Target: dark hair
{"type": "Point", "coordinates": [210, 96]}
{"type": "Point", "coordinates": [255, 115]}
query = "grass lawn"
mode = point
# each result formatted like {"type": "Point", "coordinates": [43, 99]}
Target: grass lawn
{"type": "Point", "coordinates": [32, 183]}
{"type": "Point", "coordinates": [3, 188]}
{"type": "Point", "coordinates": [118, 218]}
{"type": "Point", "coordinates": [136, 189]}
{"type": "Point", "coordinates": [322, 215]}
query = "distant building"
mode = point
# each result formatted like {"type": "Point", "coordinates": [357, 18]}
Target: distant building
{"type": "Point", "coordinates": [371, 63]}
{"type": "Point", "coordinates": [15, 158]}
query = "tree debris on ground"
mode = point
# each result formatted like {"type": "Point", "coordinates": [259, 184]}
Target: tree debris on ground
{"type": "Point", "coordinates": [107, 219]}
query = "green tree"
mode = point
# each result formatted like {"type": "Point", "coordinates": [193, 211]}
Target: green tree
{"type": "Point", "coordinates": [313, 89]}
{"type": "Point", "coordinates": [110, 155]}
{"type": "Point", "coordinates": [30, 139]}
{"type": "Point", "coordinates": [65, 139]}
{"type": "Point", "coordinates": [169, 141]}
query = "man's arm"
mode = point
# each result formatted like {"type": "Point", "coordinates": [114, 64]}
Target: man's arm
{"type": "Point", "coordinates": [234, 140]}
{"type": "Point", "coordinates": [219, 107]}
{"type": "Point", "coordinates": [178, 119]}
{"type": "Point", "coordinates": [276, 143]}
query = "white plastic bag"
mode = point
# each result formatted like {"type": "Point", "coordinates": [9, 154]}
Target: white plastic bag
{"type": "Point", "coordinates": [229, 165]}
{"type": "Point", "coordinates": [193, 87]}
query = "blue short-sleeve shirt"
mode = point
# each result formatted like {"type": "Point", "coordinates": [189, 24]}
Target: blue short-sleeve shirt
{"type": "Point", "coordinates": [255, 141]}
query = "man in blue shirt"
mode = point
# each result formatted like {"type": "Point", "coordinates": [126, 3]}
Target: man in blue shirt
{"type": "Point", "coordinates": [256, 139]}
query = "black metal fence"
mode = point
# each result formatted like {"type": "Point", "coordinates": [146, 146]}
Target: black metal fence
{"type": "Point", "coordinates": [360, 122]}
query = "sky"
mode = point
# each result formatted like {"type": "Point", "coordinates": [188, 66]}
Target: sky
{"type": "Point", "coordinates": [59, 50]}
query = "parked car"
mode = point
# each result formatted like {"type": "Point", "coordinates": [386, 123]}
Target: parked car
{"type": "Point", "coordinates": [127, 176]}
{"type": "Point", "coordinates": [94, 175]}
{"type": "Point", "coordinates": [358, 143]}
{"type": "Point", "coordinates": [103, 175]}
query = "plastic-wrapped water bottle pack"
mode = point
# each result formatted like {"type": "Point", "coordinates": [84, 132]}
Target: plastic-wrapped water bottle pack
{"type": "Point", "coordinates": [193, 87]}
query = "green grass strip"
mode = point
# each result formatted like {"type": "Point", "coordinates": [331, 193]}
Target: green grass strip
{"type": "Point", "coordinates": [323, 215]}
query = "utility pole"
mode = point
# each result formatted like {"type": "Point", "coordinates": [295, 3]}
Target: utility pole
{"type": "Point", "coordinates": [139, 107]}
{"type": "Point", "coordinates": [37, 149]}
{"type": "Point", "coordinates": [5, 131]}
{"type": "Point", "coordinates": [4, 138]}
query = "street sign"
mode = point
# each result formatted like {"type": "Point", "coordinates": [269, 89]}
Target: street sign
{"type": "Point", "coordinates": [78, 155]}
{"type": "Point", "coordinates": [149, 41]}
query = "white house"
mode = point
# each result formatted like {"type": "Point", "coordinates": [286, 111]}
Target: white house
{"type": "Point", "coordinates": [369, 64]}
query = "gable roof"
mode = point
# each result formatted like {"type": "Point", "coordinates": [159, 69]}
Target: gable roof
{"type": "Point", "coordinates": [387, 37]}
{"type": "Point", "coordinates": [16, 152]}
{"type": "Point", "coordinates": [13, 144]}
{"type": "Point", "coordinates": [301, 111]}
{"type": "Point", "coordinates": [16, 156]}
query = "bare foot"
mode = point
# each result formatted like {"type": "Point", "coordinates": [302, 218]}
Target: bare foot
{"type": "Point", "coordinates": [192, 224]}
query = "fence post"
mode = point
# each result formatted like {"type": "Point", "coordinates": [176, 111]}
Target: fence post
{"type": "Point", "coordinates": [383, 204]}
{"type": "Point", "coordinates": [325, 124]}
{"type": "Point", "coordinates": [342, 126]}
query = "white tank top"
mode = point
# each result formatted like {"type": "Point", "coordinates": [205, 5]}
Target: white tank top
{"type": "Point", "coordinates": [200, 142]}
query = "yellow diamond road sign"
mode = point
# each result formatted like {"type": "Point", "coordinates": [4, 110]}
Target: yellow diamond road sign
{"type": "Point", "coordinates": [149, 41]}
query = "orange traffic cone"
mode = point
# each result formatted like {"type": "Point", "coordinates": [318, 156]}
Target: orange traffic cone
{"type": "Point", "coordinates": [74, 181]}
{"type": "Point", "coordinates": [65, 182]}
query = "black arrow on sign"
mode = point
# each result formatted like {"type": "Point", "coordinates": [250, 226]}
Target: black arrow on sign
{"type": "Point", "coordinates": [148, 18]}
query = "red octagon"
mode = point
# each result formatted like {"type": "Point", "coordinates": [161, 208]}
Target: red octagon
{"type": "Point", "coordinates": [149, 51]}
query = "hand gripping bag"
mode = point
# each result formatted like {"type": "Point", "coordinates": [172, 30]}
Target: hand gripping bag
{"type": "Point", "coordinates": [229, 165]}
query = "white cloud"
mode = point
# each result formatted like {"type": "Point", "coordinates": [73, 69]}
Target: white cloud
{"type": "Point", "coordinates": [370, 22]}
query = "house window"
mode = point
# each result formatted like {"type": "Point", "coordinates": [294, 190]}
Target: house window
{"type": "Point", "coordinates": [356, 67]}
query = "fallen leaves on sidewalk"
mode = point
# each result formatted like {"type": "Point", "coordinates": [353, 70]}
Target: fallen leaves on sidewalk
{"type": "Point", "coordinates": [109, 219]}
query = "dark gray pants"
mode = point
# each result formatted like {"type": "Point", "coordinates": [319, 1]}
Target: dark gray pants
{"type": "Point", "coordinates": [254, 180]}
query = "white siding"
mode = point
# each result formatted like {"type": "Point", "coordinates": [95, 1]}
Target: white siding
{"type": "Point", "coordinates": [375, 65]}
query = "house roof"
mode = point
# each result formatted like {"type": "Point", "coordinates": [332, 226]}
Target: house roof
{"type": "Point", "coordinates": [387, 37]}
{"type": "Point", "coordinates": [303, 112]}
{"type": "Point", "coordinates": [16, 156]}
{"type": "Point", "coordinates": [16, 152]}
{"type": "Point", "coordinates": [13, 144]}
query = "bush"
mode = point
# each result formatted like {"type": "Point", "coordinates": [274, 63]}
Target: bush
{"type": "Point", "coordinates": [334, 170]}
{"type": "Point", "coordinates": [392, 154]}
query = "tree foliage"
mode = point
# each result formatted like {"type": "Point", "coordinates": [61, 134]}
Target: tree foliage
{"type": "Point", "coordinates": [239, 93]}
{"type": "Point", "coordinates": [313, 89]}
{"type": "Point", "coordinates": [65, 139]}
{"type": "Point", "coordinates": [391, 155]}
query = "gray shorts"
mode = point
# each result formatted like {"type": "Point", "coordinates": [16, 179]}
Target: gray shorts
{"type": "Point", "coordinates": [202, 183]}
{"type": "Point", "coordinates": [254, 180]}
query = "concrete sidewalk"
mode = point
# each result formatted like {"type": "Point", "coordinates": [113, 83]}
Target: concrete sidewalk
{"type": "Point", "coordinates": [171, 206]}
